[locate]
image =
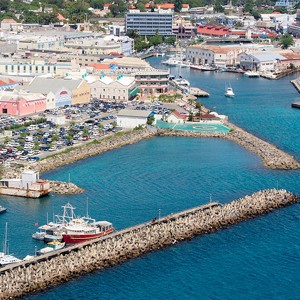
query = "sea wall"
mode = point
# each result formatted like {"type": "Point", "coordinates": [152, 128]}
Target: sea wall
{"type": "Point", "coordinates": [60, 187]}
{"type": "Point", "coordinates": [132, 242]}
{"type": "Point", "coordinates": [92, 149]}
{"type": "Point", "coordinates": [272, 157]}
{"type": "Point", "coordinates": [77, 153]}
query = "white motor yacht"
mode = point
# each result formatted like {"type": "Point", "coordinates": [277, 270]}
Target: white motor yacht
{"type": "Point", "coordinates": [229, 92]}
{"type": "Point", "coordinates": [252, 74]}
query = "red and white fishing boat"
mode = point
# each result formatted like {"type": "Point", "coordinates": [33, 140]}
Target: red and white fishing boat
{"type": "Point", "coordinates": [72, 229]}
{"type": "Point", "coordinates": [79, 230]}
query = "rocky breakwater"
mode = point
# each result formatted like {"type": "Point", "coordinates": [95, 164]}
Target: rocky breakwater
{"type": "Point", "coordinates": [60, 187]}
{"type": "Point", "coordinates": [23, 278]}
{"type": "Point", "coordinates": [96, 147]}
{"type": "Point", "coordinates": [272, 157]}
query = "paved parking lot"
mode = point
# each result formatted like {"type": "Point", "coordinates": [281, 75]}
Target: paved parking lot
{"type": "Point", "coordinates": [35, 138]}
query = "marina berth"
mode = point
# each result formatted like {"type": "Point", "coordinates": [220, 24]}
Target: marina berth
{"type": "Point", "coordinates": [72, 229]}
{"type": "Point", "coordinates": [5, 257]}
{"type": "Point", "coordinates": [58, 266]}
{"type": "Point", "coordinates": [52, 246]}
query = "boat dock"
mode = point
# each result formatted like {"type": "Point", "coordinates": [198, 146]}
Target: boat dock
{"type": "Point", "coordinates": [198, 92]}
{"type": "Point", "coordinates": [296, 84]}
{"type": "Point", "coordinates": [37, 274]}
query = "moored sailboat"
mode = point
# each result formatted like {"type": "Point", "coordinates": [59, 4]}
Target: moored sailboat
{"type": "Point", "coordinates": [5, 257]}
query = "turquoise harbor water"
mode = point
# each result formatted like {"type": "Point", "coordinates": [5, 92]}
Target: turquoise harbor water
{"type": "Point", "coordinates": [256, 259]}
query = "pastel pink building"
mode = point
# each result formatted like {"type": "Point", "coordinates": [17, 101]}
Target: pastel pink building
{"type": "Point", "coordinates": [21, 103]}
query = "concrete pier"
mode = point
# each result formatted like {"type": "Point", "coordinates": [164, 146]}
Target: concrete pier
{"type": "Point", "coordinates": [198, 92]}
{"type": "Point", "coordinates": [47, 270]}
{"type": "Point", "coordinates": [296, 84]}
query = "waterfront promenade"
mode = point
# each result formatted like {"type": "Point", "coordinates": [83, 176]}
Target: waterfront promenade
{"type": "Point", "coordinates": [42, 272]}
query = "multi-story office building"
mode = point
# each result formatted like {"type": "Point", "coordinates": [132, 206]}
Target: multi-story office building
{"type": "Point", "coordinates": [150, 23]}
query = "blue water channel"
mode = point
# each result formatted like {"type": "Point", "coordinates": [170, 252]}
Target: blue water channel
{"type": "Point", "coordinates": [256, 259]}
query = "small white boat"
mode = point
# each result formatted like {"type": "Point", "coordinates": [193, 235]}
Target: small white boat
{"type": "Point", "coordinates": [40, 234]}
{"type": "Point", "coordinates": [229, 92]}
{"type": "Point", "coordinates": [207, 67]}
{"type": "Point", "coordinates": [181, 82]}
{"type": "Point", "coordinates": [52, 246]}
{"type": "Point", "coordinates": [252, 74]}
{"type": "Point", "coordinates": [160, 54]}
{"type": "Point", "coordinates": [2, 209]}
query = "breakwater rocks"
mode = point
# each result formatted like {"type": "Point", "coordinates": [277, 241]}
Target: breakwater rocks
{"type": "Point", "coordinates": [93, 148]}
{"type": "Point", "coordinates": [60, 187]}
{"type": "Point", "coordinates": [46, 270]}
{"type": "Point", "coordinates": [272, 157]}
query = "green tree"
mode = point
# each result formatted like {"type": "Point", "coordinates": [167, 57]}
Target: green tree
{"type": "Point", "coordinates": [248, 7]}
{"type": "Point", "coordinates": [218, 6]}
{"type": "Point", "coordinates": [150, 120]}
{"type": "Point", "coordinates": [156, 39]}
{"type": "Point", "coordinates": [133, 34]}
{"type": "Point", "coordinates": [177, 5]}
{"type": "Point", "coordinates": [286, 41]}
{"type": "Point", "coordinates": [170, 40]}
{"type": "Point", "coordinates": [118, 8]}
{"type": "Point", "coordinates": [98, 4]}
{"type": "Point", "coordinates": [141, 6]}
{"type": "Point", "coordinates": [4, 5]}
{"type": "Point", "coordinates": [256, 14]}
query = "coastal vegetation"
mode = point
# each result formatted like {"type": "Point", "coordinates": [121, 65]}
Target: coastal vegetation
{"type": "Point", "coordinates": [24, 125]}
{"type": "Point", "coordinates": [286, 41]}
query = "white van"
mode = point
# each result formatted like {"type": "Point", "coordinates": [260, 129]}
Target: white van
{"type": "Point", "coordinates": [33, 127]}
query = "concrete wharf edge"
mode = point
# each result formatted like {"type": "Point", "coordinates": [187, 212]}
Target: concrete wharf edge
{"type": "Point", "coordinates": [20, 279]}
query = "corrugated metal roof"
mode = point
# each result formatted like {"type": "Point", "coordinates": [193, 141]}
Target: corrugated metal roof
{"type": "Point", "coordinates": [46, 85]}
{"type": "Point", "coordinates": [268, 56]}
{"type": "Point", "coordinates": [134, 113]}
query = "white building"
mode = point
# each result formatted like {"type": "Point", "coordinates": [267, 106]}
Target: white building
{"type": "Point", "coordinates": [176, 117]}
{"type": "Point", "coordinates": [260, 61]}
{"type": "Point", "coordinates": [29, 185]}
{"type": "Point", "coordinates": [216, 55]}
{"type": "Point", "coordinates": [128, 118]}
{"type": "Point", "coordinates": [121, 88]}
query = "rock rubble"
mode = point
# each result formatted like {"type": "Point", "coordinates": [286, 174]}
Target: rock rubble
{"type": "Point", "coordinates": [272, 157]}
{"type": "Point", "coordinates": [60, 187]}
{"type": "Point", "coordinates": [135, 241]}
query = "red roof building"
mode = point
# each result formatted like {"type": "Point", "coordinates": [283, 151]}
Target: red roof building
{"type": "Point", "coordinates": [217, 31]}
{"type": "Point", "coordinates": [176, 117]}
{"type": "Point", "coordinates": [165, 6]}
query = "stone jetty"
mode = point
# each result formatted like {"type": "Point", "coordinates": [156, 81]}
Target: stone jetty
{"type": "Point", "coordinates": [272, 157]}
{"type": "Point", "coordinates": [60, 187]}
{"type": "Point", "coordinates": [91, 149]}
{"type": "Point", "coordinates": [48, 270]}
{"type": "Point", "coordinates": [77, 153]}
